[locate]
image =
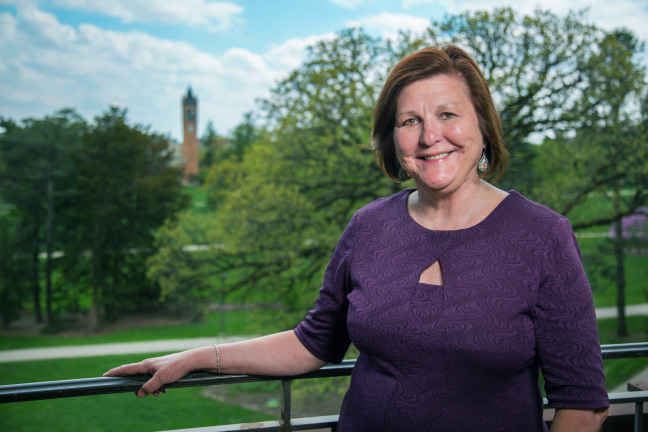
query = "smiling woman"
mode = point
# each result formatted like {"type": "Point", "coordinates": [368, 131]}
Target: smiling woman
{"type": "Point", "coordinates": [470, 91]}
{"type": "Point", "coordinates": [437, 136]}
{"type": "Point", "coordinates": [455, 292]}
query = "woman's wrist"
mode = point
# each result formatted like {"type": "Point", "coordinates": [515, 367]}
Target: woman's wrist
{"type": "Point", "coordinates": [200, 359]}
{"type": "Point", "coordinates": [218, 369]}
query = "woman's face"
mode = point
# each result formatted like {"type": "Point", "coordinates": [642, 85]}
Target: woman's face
{"type": "Point", "coordinates": [436, 133]}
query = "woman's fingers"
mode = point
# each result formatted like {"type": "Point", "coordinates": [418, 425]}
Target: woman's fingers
{"type": "Point", "coordinates": [127, 369]}
{"type": "Point", "coordinates": [151, 386]}
{"type": "Point", "coordinates": [163, 370]}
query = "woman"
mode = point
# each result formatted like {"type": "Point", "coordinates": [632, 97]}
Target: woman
{"type": "Point", "coordinates": [455, 293]}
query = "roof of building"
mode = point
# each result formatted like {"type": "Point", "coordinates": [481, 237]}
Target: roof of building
{"type": "Point", "coordinates": [189, 99]}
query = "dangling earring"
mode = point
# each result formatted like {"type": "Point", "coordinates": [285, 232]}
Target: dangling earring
{"type": "Point", "coordinates": [483, 162]}
{"type": "Point", "coordinates": [402, 174]}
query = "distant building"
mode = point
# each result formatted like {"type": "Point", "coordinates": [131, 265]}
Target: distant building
{"type": "Point", "coordinates": [190, 134]}
{"type": "Point", "coordinates": [634, 230]}
{"type": "Point", "coordinates": [633, 226]}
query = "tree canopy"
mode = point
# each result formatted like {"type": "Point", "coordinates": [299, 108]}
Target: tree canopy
{"type": "Point", "coordinates": [95, 192]}
{"type": "Point", "coordinates": [282, 187]}
{"type": "Point", "coordinates": [282, 205]}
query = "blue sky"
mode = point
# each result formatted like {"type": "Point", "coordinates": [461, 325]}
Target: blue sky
{"type": "Point", "coordinates": [143, 54]}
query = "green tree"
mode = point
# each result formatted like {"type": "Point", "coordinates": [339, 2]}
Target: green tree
{"type": "Point", "coordinates": [242, 136]}
{"type": "Point", "coordinates": [279, 210]}
{"type": "Point", "coordinates": [312, 160]}
{"type": "Point", "coordinates": [34, 175]}
{"type": "Point", "coordinates": [13, 267]}
{"type": "Point", "coordinates": [607, 152]}
{"type": "Point", "coordinates": [126, 189]}
{"type": "Point", "coordinates": [539, 67]}
{"type": "Point", "coordinates": [213, 148]}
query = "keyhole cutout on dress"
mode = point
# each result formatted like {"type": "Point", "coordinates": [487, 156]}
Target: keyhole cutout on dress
{"type": "Point", "coordinates": [432, 275]}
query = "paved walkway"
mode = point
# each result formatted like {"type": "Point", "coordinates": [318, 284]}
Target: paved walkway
{"type": "Point", "coordinates": [110, 349]}
{"type": "Point", "coordinates": [172, 345]}
{"type": "Point", "coordinates": [630, 310]}
{"type": "Point", "coordinates": [183, 344]}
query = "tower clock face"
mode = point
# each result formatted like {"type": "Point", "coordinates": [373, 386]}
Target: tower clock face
{"type": "Point", "coordinates": [190, 115]}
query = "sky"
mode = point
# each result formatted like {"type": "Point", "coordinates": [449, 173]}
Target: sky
{"type": "Point", "coordinates": [143, 55]}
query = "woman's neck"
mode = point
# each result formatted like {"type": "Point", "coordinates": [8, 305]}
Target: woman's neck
{"type": "Point", "coordinates": [460, 209]}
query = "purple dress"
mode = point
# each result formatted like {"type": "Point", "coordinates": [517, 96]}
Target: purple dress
{"type": "Point", "coordinates": [463, 356]}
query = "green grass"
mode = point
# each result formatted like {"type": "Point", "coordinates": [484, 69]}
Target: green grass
{"type": "Point", "coordinates": [243, 322]}
{"type": "Point", "coordinates": [619, 371]}
{"type": "Point", "coordinates": [179, 408]}
{"type": "Point", "coordinates": [636, 275]}
{"type": "Point", "coordinates": [198, 196]}
{"type": "Point", "coordinates": [185, 408]}
{"type": "Point", "coordinates": [182, 408]}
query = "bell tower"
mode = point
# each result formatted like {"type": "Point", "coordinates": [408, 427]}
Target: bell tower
{"type": "Point", "coordinates": [190, 143]}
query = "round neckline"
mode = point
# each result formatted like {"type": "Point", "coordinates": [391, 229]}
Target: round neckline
{"type": "Point", "coordinates": [486, 221]}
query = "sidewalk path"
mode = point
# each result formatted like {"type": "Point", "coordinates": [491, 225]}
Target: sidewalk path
{"type": "Point", "coordinates": [111, 349]}
{"type": "Point", "coordinates": [630, 310]}
{"type": "Point", "coordinates": [183, 344]}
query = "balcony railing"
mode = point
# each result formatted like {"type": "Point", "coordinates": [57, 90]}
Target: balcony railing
{"type": "Point", "coordinates": [97, 386]}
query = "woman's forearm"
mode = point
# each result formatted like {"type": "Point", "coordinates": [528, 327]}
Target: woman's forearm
{"type": "Point", "coordinates": [568, 420]}
{"type": "Point", "coordinates": [277, 354]}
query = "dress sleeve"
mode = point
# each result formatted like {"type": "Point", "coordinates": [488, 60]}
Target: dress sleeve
{"type": "Point", "coordinates": [324, 330]}
{"type": "Point", "coordinates": [567, 339]}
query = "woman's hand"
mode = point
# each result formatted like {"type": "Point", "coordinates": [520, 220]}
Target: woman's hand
{"type": "Point", "coordinates": [279, 354]}
{"type": "Point", "coordinates": [164, 370]}
{"type": "Point", "coordinates": [578, 420]}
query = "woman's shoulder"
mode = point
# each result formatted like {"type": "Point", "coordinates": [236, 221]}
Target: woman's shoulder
{"type": "Point", "coordinates": [386, 207]}
{"type": "Point", "coordinates": [532, 213]}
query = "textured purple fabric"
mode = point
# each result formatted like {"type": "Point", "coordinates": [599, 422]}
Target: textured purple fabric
{"type": "Point", "coordinates": [463, 356]}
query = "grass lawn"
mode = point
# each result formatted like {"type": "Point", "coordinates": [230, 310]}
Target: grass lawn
{"type": "Point", "coordinates": [636, 278]}
{"type": "Point", "coordinates": [179, 408]}
{"type": "Point", "coordinates": [619, 371]}
{"type": "Point", "coordinates": [241, 322]}
{"type": "Point", "coordinates": [185, 408]}
{"type": "Point", "coordinates": [198, 196]}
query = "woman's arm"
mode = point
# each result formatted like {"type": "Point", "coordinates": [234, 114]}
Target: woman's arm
{"type": "Point", "coordinates": [568, 420]}
{"type": "Point", "coordinates": [277, 354]}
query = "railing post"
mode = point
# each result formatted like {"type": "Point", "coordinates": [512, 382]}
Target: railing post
{"type": "Point", "coordinates": [638, 420]}
{"type": "Point", "coordinates": [285, 406]}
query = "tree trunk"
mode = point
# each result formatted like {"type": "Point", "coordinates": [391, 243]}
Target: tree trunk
{"type": "Point", "coordinates": [93, 315]}
{"type": "Point", "coordinates": [48, 245]}
{"type": "Point", "coordinates": [622, 329]}
{"type": "Point", "coordinates": [97, 278]}
{"type": "Point", "coordinates": [38, 311]}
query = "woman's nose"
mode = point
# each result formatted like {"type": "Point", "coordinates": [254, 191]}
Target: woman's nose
{"type": "Point", "coordinates": [430, 133]}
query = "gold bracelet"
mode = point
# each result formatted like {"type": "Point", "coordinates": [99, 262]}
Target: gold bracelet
{"type": "Point", "coordinates": [217, 360]}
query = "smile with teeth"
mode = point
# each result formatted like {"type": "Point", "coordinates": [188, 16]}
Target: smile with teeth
{"type": "Point", "coordinates": [435, 157]}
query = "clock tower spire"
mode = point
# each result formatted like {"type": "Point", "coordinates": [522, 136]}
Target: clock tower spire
{"type": "Point", "coordinates": [190, 143]}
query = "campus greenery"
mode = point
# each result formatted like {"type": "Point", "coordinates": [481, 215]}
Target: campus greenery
{"type": "Point", "coordinates": [280, 189]}
{"type": "Point", "coordinates": [183, 408]}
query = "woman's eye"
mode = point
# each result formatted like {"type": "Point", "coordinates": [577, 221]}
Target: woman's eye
{"type": "Point", "coordinates": [409, 121]}
{"type": "Point", "coordinates": [447, 115]}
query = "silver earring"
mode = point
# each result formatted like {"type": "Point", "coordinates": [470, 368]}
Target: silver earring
{"type": "Point", "coordinates": [483, 162]}
{"type": "Point", "coordinates": [402, 174]}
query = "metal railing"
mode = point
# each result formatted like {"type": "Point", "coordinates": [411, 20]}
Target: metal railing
{"type": "Point", "coordinates": [98, 386]}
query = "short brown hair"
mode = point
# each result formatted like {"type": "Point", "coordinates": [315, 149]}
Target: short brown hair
{"type": "Point", "coordinates": [425, 63]}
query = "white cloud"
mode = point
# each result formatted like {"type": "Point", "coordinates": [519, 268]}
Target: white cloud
{"type": "Point", "coordinates": [632, 14]}
{"type": "Point", "coordinates": [388, 24]}
{"type": "Point", "coordinates": [409, 3]}
{"type": "Point", "coordinates": [291, 53]}
{"type": "Point", "coordinates": [7, 27]}
{"type": "Point", "coordinates": [348, 4]}
{"type": "Point", "coordinates": [46, 65]}
{"type": "Point", "coordinates": [50, 65]}
{"type": "Point", "coordinates": [217, 16]}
